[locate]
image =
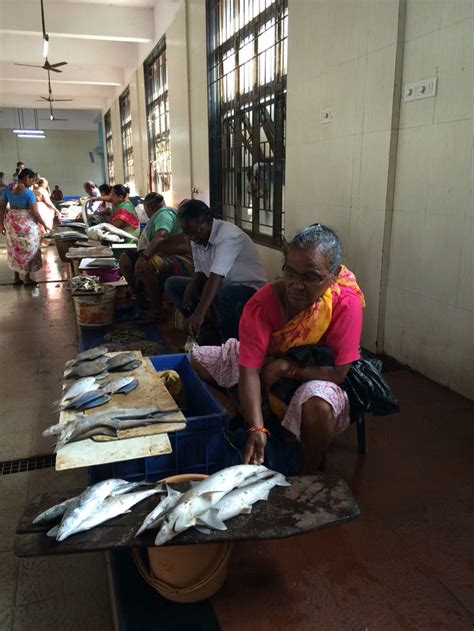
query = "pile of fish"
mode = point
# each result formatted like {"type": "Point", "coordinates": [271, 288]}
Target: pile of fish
{"type": "Point", "coordinates": [92, 366]}
{"type": "Point", "coordinates": [211, 502]}
{"type": "Point", "coordinates": [95, 505]}
{"type": "Point", "coordinates": [107, 423]}
{"type": "Point", "coordinates": [85, 284]}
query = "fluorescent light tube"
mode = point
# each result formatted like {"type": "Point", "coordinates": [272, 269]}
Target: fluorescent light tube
{"type": "Point", "coordinates": [30, 136]}
{"type": "Point", "coordinates": [28, 131]}
{"type": "Point", "coordinates": [45, 46]}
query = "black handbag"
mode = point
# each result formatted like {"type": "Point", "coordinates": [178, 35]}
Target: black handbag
{"type": "Point", "coordinates": [366, 389]}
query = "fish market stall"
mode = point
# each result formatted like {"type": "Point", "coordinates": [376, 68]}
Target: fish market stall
{"type": "Point", "coordinates": [138, 442]}
{"type": "Point", "coordinates": [306, 504]}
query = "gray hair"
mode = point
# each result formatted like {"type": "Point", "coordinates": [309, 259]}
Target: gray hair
{"type": "Point", "coordinates": [320, 238]}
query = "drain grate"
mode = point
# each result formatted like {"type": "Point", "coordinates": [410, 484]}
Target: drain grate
{"type": "Point", "coordinates": [27, 464]}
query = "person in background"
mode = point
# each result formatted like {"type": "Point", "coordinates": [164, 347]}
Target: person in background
{"type": "Point", "coordinates": [46, 208]}
{"type": "Point", "coordinates": [19, 168]}
{"type": "Point", "coordinates": [317, 302]}
{"type": "Point", "coordinates": [20, 223]}
{"type": "Point", "coordinates": [228, 271]}
{"type": "Point", "coordinates": [57, 194]}
{"type": "Point", "coordinates": [124, 215]}
{"type": "Point", "coordinates": [94, 205]}
{"type": "Point", "coordinates": [2, 181]}
{"type": "Point", "coordinates": [163, 251]}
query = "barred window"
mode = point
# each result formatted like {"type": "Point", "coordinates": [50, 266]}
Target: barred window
{"type": "Point", "coordinates": [109, 150]}
{"type": "Point", "coordinates": [247, 68]}
{"type": "Point", "coordinates": [127, 144]}
{"type": "Point", "coordinates": [157, 113]}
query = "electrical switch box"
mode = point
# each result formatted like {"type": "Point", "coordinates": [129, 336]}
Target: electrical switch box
{"type": "Point", "coordinates": [420, 89]}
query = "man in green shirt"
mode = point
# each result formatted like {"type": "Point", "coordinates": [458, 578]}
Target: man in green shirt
{"type": "Point", "coordinates": [163, 251]}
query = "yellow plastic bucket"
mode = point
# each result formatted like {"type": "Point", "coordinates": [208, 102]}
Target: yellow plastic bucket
{"type": "Point", "coordinates": [185, 574]}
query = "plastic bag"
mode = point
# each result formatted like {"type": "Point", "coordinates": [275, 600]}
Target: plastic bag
{"type": "Point", "coordinates": [367, 389]}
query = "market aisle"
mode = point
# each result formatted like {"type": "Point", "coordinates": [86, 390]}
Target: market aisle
{"type": "Point", "coordinates": [37, 336]}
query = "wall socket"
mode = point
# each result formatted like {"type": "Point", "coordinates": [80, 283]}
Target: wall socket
{"type": "Point", "coordinates": [326, 116]}
{"type": "Point", "coordinates": [420, 89]}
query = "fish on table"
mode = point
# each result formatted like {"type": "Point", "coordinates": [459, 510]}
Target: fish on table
{"type": "Point", "coordinates": [90, 354]}
{"type": "Point", "coordinates": [210, 502]}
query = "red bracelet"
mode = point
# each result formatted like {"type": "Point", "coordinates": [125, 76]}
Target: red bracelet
{"type": "Point", "coordinates": [259, 428]}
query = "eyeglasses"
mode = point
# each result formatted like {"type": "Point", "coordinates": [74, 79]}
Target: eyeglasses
{"type": "Point", "coordinates": [192, 234]}
{"type": "Point", "coordinates": [309, 278]}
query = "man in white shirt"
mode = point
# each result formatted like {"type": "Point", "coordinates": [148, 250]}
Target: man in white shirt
{"type": "Point", "coordinates": [227, 266]}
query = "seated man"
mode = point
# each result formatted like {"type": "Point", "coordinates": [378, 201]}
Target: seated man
{"type": "Point", "coordinates": [163, 250]}
{"type": "Point", "coordinates": [57, 194]}
{"type": "Point", "coordinates": [228, 271]}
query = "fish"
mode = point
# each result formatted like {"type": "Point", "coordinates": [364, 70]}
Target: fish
{"type": "Point", "coordinates": [115, 418]}
{"type": "Point", "coordinates": [90, 354]}
{"type": "Point", "coordinates": [87, 369]}
{"type": "Point", "coordinates": [121, 359]}
{"type": "Point", "coordinates": [95, 402]}
{"type": "Point", "coordinates": [102, 375]}
{"type": "Point", "coordinates": [129, 387]}
{"type": "Point", "coordinates": [201, 498]}
{"type": "Point", "coordinates": [82, 399]}
{"type": "Point", "coordinates": [116, 385]}
{"type": "Point", "coordinates": [78, 387]}
{"type": "Point", "coordinates": [157, 515]}
{"type": "Point", "coordinates": [240, 500]}
{"type": "Point", "coordinates": [128, 367]}
{"type": "Point", "coordinates": [111, 507]}
{"type": "Point", "coordinates": [87, 503]}
{"type": "Point", "coordinates": [54, 512]}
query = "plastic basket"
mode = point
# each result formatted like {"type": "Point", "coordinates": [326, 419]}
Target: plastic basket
{"type": "Point", "coordinates": [199, 448]}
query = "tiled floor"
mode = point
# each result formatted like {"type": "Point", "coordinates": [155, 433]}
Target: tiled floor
{"type": "Point", "coordinates": [37, 336]}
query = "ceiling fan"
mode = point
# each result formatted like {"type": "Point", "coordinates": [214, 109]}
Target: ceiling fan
{"type": "Point", "coordinates": [50, 99]}
{"type": "Point", "coordinates": [46, 66]}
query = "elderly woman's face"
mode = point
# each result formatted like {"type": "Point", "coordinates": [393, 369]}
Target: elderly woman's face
{"type": "Point", "coordinates": [306, 276]}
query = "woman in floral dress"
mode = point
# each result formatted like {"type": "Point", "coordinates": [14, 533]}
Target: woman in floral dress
{"type": "Point", "coordinates": [20, 221]}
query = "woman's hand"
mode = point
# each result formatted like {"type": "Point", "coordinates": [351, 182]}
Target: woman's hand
{"type": "Point", "coordinates": [255, 448]}
{"type": "Point", "coordinates": [190, 295]}
{"type": "Point", "coordinates": [276, 369]}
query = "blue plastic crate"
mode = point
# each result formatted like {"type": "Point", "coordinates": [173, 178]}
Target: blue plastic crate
{"type": "Point", "coordinates": [199, 448]}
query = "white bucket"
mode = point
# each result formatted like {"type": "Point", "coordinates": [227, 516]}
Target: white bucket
{"type": "Point", "coordinates": [95, 309]}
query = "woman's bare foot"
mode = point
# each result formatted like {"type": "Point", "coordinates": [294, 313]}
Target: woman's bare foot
{"type": "Point", "coordinates": [17, 280]}
{"type": "Point", "coordinates": [29, 281]}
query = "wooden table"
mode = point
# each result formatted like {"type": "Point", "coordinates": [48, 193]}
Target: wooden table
{"type": "Point", "coordinates": [310, 503]}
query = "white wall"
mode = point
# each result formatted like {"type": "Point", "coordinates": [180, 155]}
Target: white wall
{"type": "Point", "coordinates": [430, 306]}
{"type": "Point", "coordinates": [62, 158]}
{"type": "Point", "coordinates": [342, 56]}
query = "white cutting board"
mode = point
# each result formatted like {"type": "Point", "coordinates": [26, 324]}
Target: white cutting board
{"type": "Point", "coordinates": [140, 442]}
{"type": "Point", "coordinates": [87, 452]}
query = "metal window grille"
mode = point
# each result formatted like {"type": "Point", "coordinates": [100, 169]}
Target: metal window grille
{"type": "Point", "coordinates": [127, 144]}
{"type": "Point", "coordinates": [247, 69]}
{"type": "Point", "coordinates": [109, 151]}
{"type": "Point", "coordinates": [157, 112]}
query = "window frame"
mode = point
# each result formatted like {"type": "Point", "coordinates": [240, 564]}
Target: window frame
{"type": "Point", "coordinates": [126, 133]}
{"type": "Point", "coordinates": [157, 114]}
{"type": "Point", "coordinates": [109, 148]}
{"type": "Point", "coordinates": [244, 133]}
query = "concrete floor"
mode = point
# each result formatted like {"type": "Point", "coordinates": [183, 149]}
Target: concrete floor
{"type": "Point", "coordinates": [406, 563]}
{"type": "Point", "coordinates": [37, 336]}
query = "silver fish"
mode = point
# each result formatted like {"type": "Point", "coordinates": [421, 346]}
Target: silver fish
{"type": "Point", "coordinates": [87, 503]}
{"type": "Point", "coordinates": [112, 507]}
{"type": "Point", "coordinates": [95, 402]}
{"type": "Point", "coordinates": [90, 354]}
{"type": "Point", "coordinates": [120, 359]}
{"type": "Point", "coordinates": [240, 500]}
{"type": "Point", "coordinates": [87, 369]}
{"type": "Point", "coordinates": [53, 513]}
{"type": "Point", "coordinates": [130, 366]}
{"type": "Point", "coordinates": [84, 397]}
{"type": "Point", "coordinates": [201, 498]}
{"type": "Point", "coordinates": [157, 515]}
{"type": "Point", "coordinates": [79, 387]}
{"type": "Point", "coordinates": [115, 385]}
{"type": "Point", "coordinates": [128, 388]}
